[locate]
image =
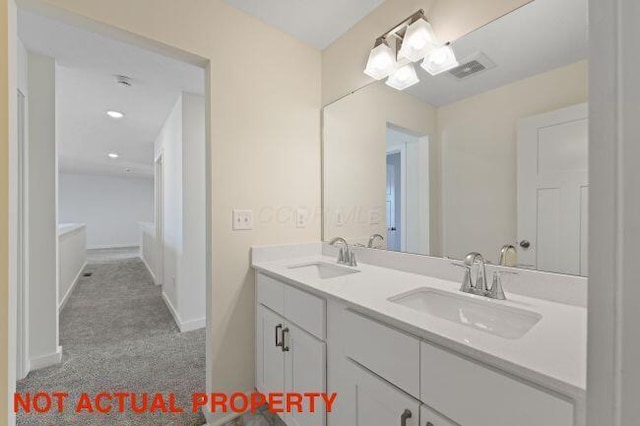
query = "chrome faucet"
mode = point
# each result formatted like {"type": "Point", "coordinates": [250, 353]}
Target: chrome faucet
{"type": "Point", "coordinates": [373, 238]}
{"type": "Point", "coordinates": [346, 256]}
{"type": "Point", "coordinates": [478, 287]}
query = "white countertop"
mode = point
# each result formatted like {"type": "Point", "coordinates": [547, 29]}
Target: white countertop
{"type": "Point", "coordinates": [552, 354]}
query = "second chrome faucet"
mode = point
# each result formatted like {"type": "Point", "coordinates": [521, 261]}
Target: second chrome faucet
{"type": "Point", "coordinates": [346, 255]}
{"type": "Point", "coordinates": [479, 286]}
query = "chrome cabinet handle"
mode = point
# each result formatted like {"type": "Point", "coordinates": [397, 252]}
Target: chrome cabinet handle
{"type": "Point", "coordinates": [404, 417]}
{"type": "Point", "coordinates": [284, 347]}
{"type": "Point", "coordinates": [429, 424]}
{"type": "Point", "coordinates": [278, 344]}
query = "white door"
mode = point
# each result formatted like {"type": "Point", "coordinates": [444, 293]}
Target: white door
{"type": "Point", "coordinates": [305, 371]}
{"type": "Point", "coordinates": [553, 190]}
{"type": "Point", "coordinates": [269, 354]}
{"type": "Point", "coordinates": [430, 417]}
{"type": "Point", "coordinates": [377, 402]}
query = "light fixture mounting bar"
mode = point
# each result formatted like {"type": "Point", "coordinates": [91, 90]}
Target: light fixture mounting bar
{"type": "Point", "coordinates": [399, 29]}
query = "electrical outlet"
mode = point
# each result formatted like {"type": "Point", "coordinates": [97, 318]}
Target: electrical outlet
{"type": "Point", "coordinates": [302, 218]}
{"type": "Point", "coordinates": [374, 217]}
{"type": "Point", "coordinates": [242, 220]}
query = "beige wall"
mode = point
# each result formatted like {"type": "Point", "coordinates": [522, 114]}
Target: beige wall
{"type": "Point", "coordinates": [354, 156]}
{"type": "Point", "coordinates": [343, 62]}
{"type": "Point", "coordinates": [265, 111]}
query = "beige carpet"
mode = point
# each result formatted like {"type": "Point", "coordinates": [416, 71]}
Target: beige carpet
{"type": "Point", "coordinates": [118, 335]}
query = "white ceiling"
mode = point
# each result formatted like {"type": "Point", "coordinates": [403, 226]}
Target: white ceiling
{"type": "Point", "coordinates": [318, 23]}
{"type": "Point", "coordinates": [86, 89]}
{"type": "Point", "coordinates": [541, 36]}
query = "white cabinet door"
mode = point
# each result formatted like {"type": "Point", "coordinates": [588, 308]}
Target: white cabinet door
{"type": "Point", "coordinates": [429, 417]}
{"type": "Point", "coordinates": [305, 371]}
{"type": "Point", "coordinates": [553, 190]}
{"type": "Point", "coordinates": [377, 402]}
{"type": "Point", "coordinates": [269, 356]}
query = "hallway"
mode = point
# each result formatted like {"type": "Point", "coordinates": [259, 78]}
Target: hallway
{"type": "Point", "coordinates": [118, 335]}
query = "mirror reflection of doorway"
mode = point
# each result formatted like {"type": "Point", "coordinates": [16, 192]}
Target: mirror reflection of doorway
{"type": "Point", "coordinates": [394, 200]}
{"type": "Point", "coordinates": [407, 185]}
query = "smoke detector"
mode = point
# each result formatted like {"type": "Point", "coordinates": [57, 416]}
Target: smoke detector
{"type": "Point", "coordinates": [471, 66]}
{"type": "Point", "coordinates": [123, 80]}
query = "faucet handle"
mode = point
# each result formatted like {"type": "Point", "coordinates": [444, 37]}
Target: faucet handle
{"type": "Point", "coordinates": [352, 261]}
{"type": "Point", "coordinates": [496, 291]}
{"type": "Point", "coordinates": [466, 281]}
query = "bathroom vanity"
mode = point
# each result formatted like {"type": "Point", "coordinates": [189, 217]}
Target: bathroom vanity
{"type": "Point", "coordinates": [408, 349]}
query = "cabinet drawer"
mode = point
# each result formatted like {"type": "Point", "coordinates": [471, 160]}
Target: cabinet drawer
{"type": "Point", "coordinates": [389, 353]}
{"type": "Point", "coordinates": [270, 293]}
{"type": "Point", "coordinates": [475, 395]}
{"type": "Point", "coordinates": [306, 310]}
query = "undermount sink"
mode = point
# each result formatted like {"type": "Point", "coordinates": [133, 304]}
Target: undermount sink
{"type": "Point", "coordinates": [484, 315]}
{"type": "Point", "coordinates": [324, 270]}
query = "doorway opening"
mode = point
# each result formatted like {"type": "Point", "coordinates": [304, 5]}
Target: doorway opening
{"type": "Point", "coordinates": [408, 192]}
{"type": "Point", "coordinates": [113, 163]}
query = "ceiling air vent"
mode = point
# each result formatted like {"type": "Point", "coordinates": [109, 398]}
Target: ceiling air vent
{"type": "Point", "coordinates": [123, 80]}
{"type": "Point", "coordinates": [472, 65]}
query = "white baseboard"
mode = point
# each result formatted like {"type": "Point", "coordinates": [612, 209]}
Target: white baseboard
{"type": "Point", "coordinates": [46, 360]}
{"type": "Point", "coordinates": [193, 324]}
{"type": "Point", "coordinates": [153, 276]}
{"type": "Point", "coordinates": [173, 311]}
{"type": "Point", "coordinates": [184, 326]}
{"type": "Point", "coordinates": [114, 246]}
{"type": "Point", "coordinates": [65, 299]}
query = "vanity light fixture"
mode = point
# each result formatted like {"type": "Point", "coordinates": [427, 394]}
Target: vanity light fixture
{"type": "Point", "coordinates": [419, 39]}
{"type": "Point", "coordinates": [115, 114]}
{"type": "Point", "coordinates": [382, 60]}
{"type": "Point", "coordinates": [440, 60]}
{"type": "Point", "coordinates": [404, 77]}
{"type": "Point", "coordinates": [113, 155]}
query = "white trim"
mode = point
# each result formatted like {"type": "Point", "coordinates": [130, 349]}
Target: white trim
{"type": "Point", "coordinates": [144, 261]}
{"type": "Point", "coordinates": [191, 325]}
{"type": "Point", "coordinates": [613, 373]}
{"type": "Point", "coordinates": [174, 312]}
{"type": "Point", "coordinates": [184, 326]}
{"type": "Point", "coordinates": [11, 313]}
{"type": "Point", "coordinates": [47, 360]}
{"type": "Point", "coordinates": [65, 299]}
{"type": "Point", "coordinates": [115, 246]}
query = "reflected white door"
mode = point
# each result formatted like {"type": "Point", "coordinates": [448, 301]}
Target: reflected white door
{"type": "Point", "coordinates": [553, 190]}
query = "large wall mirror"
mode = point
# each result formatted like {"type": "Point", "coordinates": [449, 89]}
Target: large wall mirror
{"type": "Point", "coordinates": [490, 154]}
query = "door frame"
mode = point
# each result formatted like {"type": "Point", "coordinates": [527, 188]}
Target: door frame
{"type": "Point", "coordinates": [158, 211]}
{"type": "Point", "coordinates": [613, 373]}
{"type": "Point", "coordinates": [402, 150]}
{"type": "Point", "coordinates": [22, 239]}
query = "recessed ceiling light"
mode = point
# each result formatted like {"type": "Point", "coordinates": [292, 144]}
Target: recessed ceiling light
{"type": "Point", "coordinates": [113, 155]}
{"type": "Point", "coordinates": [115, 114]}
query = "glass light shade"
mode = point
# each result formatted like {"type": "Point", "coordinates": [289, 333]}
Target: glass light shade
{"type": "Point", "coordinates": [404, 77]}
{"type": "Point", "coordinates": [381, 62]}
{"type": "Point", "coordinates": [440, 60]}
{"type": "Point", "coordinates": [418, 41]}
